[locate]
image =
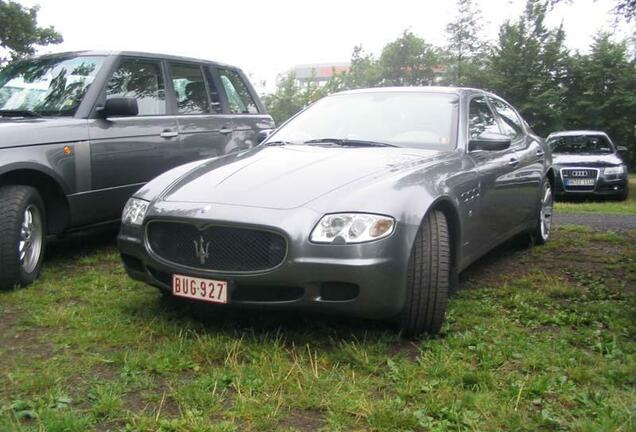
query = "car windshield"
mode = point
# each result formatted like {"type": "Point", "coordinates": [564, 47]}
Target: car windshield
{"type": "Point", "coordinates": [584, 144]}
{"type": "Point", "coordinates": [51, 86]}
{"type": "Point", "coordinates": [405, 119]}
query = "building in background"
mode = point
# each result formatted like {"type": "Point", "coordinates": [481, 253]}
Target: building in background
{"type": "Point", "coordinates": [318, 73]}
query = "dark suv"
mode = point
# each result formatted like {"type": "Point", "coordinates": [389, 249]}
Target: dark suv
{"type": "Point", "coordinates": [80, 132]}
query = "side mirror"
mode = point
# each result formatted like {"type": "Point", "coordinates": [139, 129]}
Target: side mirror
{"type": "Point", "coordinates": [489, 141]}
{"type": "Point", "coordinates": [263, 134]}
{"type": "Point", "coordinates": [119, 107]}
{"type": "Point", "coordinates": [621, 150]}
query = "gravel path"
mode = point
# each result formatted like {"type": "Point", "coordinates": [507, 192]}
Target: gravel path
{"type": "Point", "coordinates": [601, 222]}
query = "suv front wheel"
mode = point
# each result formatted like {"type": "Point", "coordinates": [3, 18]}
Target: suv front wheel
{"type": "Point", "coordinates": [22, 235]}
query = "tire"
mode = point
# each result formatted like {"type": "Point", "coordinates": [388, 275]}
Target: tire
{"type": "Point", "coordinates": [543, 227]}
{"type": "Point", "coordinates": [20, 264]}
{"type": "Point", "coordinates": [428, 277]}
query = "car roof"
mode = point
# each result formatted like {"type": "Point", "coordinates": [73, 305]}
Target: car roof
{"type": "Point", "coordinates": [135, 54]}
{"type": "Point", "coordinates": [420, 89]}
{"type": "Point", "coordinates": [577, 133]}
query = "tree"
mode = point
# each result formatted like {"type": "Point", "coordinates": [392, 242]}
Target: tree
{"type": "Point", "coordinates": [20, 33]}
{"type": "Point", "coordinates": [602, 93]}
{"type": "Point", "coordinates": [528, 67]}
{"type": "Point", "coordinates": [466, 50]}
{"type": "Point", "coordinates": [409, 61]}
{"type": "Point", "coordinates": [364, 70]}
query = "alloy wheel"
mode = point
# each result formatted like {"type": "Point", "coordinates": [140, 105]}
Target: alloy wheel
{"type": "Point", "coordinates": [31, 239]}
{"type": "Point", "coordinates": [547, 203]}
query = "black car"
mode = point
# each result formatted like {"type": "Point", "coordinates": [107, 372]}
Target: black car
{"type": "Point", "coordinates": [81, 131]}
{"type": "Point", "coordinates": [588, 165]}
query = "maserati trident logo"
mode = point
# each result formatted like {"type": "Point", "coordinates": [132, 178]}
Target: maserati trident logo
{"type": "Point", "coordinates": [201, 249]}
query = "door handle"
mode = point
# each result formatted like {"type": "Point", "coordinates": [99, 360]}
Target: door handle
{"type": "Point", "coordinates": [226, 130]}
{"type": "Point", "coordinates": [513, 162]}
{"type": "Point", "coordinates": [167, 133]}
{"type": "Point", "coordinates": [540, 153]}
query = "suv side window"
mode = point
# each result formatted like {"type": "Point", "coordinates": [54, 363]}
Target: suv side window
{"type": "Point", "coordinates": [511, 122]}
{"type": "Point", "coordinates": [191, 91]}
{"type": "Point", "coordinates": [140, 79]}
{"type": "Point", "coordinates": [238, 96]}
{"type": "Point", "coordinates": [480, 118]}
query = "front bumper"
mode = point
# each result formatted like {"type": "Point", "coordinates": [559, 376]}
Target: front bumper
{"type": "Point", "coordinates": [614, 186]}
{"type": "Point", "coordinates": [365, 280]}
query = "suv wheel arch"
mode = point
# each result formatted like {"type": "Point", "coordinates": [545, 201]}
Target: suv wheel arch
{"type": "Point", "coordinates": [57, 207]}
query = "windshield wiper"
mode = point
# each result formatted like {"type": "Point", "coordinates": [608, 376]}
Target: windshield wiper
{"type": "Point", "coordinates": [277, 143]}
{"type": "Point", "coordinates": [346, 142]}
{"type": "Point", "coordinates": [18, 113]}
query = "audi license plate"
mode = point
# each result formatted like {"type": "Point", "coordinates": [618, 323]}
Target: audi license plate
{"type": "Point", "coordinates": [214, 291]}
{"type": "Point", "coordinates": [579, 182]}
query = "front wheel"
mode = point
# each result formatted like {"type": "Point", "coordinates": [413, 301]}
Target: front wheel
{"type": "Point", "coordinates": [22, 235]}
{"type": "Point", "coordinates": [428, 275]}
{"type": "Point", "coordinates": [543, 228]}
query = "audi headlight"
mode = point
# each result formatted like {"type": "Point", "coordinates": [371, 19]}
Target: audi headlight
{"type": "Point", "coordinates": [346, 228]}
{"type": "Point", "coordinates": [134, 212]}
{"type": "Point", "coordinates": [615, 170]}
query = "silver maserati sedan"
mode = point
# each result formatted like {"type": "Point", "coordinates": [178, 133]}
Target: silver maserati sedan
{"type": "Point", "coordinates": [367, 203]}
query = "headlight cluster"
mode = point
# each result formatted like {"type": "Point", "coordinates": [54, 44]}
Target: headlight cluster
{"type": "Point", "coordinates": [345, 228]}
{"type": "Point", "coordinates": [615, 170]}
{"type": "Point", "coordinates": [134, 212]}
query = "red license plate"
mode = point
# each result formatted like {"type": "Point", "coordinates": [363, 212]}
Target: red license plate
{"type": "Point", "coordinates": [209, 290]}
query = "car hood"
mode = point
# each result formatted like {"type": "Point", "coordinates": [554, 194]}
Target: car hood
{"type": "Point", "coordinates": [17, 132]}
{"type": "Point", "coordinates": [290, 176]}
{"type": "Point", "coordinates": [586, 159]}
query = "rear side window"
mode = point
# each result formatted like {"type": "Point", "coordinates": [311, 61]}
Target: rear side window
{"type": "Point", "coordinates": [238, 96]}
{"type": "Point", "coordinates": [191, 90]}
{"type": "Point", "coordinates": [142, 80]}
{"type": "Point", "coordinates": [480, 118]}
{"type": "Point", "coordinates": [511, 122]}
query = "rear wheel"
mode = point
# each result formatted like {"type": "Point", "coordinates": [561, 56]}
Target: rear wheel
{"type": "Point", "coordinates": [428, 277]}
{"type": "Point", "coordinates": [542, 231]}
{"type": "Point", "coordinates": [22, 235]}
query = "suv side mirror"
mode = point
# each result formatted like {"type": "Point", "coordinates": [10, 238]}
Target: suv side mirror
{"type": "Point", "coordinates": [119, 107]}
{"type": "Point", "coordinates": [489, 141]}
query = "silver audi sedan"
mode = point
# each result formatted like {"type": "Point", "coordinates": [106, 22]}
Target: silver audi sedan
{"type": "Point", "coordinates": [367, 203]}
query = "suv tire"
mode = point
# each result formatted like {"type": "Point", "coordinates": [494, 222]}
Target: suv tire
{"type": "Point", "coordinates": [22, 235]}
{"type": "Point", "coordinates": [428, 277]}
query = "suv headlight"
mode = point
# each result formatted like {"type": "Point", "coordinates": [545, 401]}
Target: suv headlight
{"type": "Point", "coordinates": [134, 212]}
{"type": "Point", "coordinates": [346, 228]}
{"type": "Point", "coordinates": [615, 170]}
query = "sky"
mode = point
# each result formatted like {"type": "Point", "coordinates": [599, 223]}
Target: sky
{"type": "Point", "coordinates": [268, 37]}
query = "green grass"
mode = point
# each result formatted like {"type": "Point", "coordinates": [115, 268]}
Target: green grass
{"type": "Point", "coordinates": [602, 206]}
{"type": "Point", "coordinates": [540, 339]}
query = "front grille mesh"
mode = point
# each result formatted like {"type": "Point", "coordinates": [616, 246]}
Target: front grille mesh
{"type": "Point", "coordinates": [589, 173]}
{"type": "Point", "coordinates": [230, 249]}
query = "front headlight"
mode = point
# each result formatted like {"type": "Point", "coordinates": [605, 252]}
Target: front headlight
{"type": "Point", "coordinates": [615, 170]}
{"type": "Point", "coordinates": [134, 212]}
{"type": "Point", "coordinates": [345, 228]}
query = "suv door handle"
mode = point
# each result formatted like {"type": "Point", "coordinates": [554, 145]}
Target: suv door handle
{"type": "Point", "coordinates": [513, 162]}
{"type": "Point", "coordinates": [540, 153]}
{"type": "Point", "coordinates": [167, 133]}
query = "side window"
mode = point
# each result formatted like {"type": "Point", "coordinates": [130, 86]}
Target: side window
{"type": "Point", "coordinates": [191, 91]}
{"type": "Point", "coordinates": [238, 96]}
{"type": "Point", "coordinates": [480, 118]}
{"type": "Point", "coordinates": [142, 80]}
{"type": "Point", "coordinates": [511, 122]}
